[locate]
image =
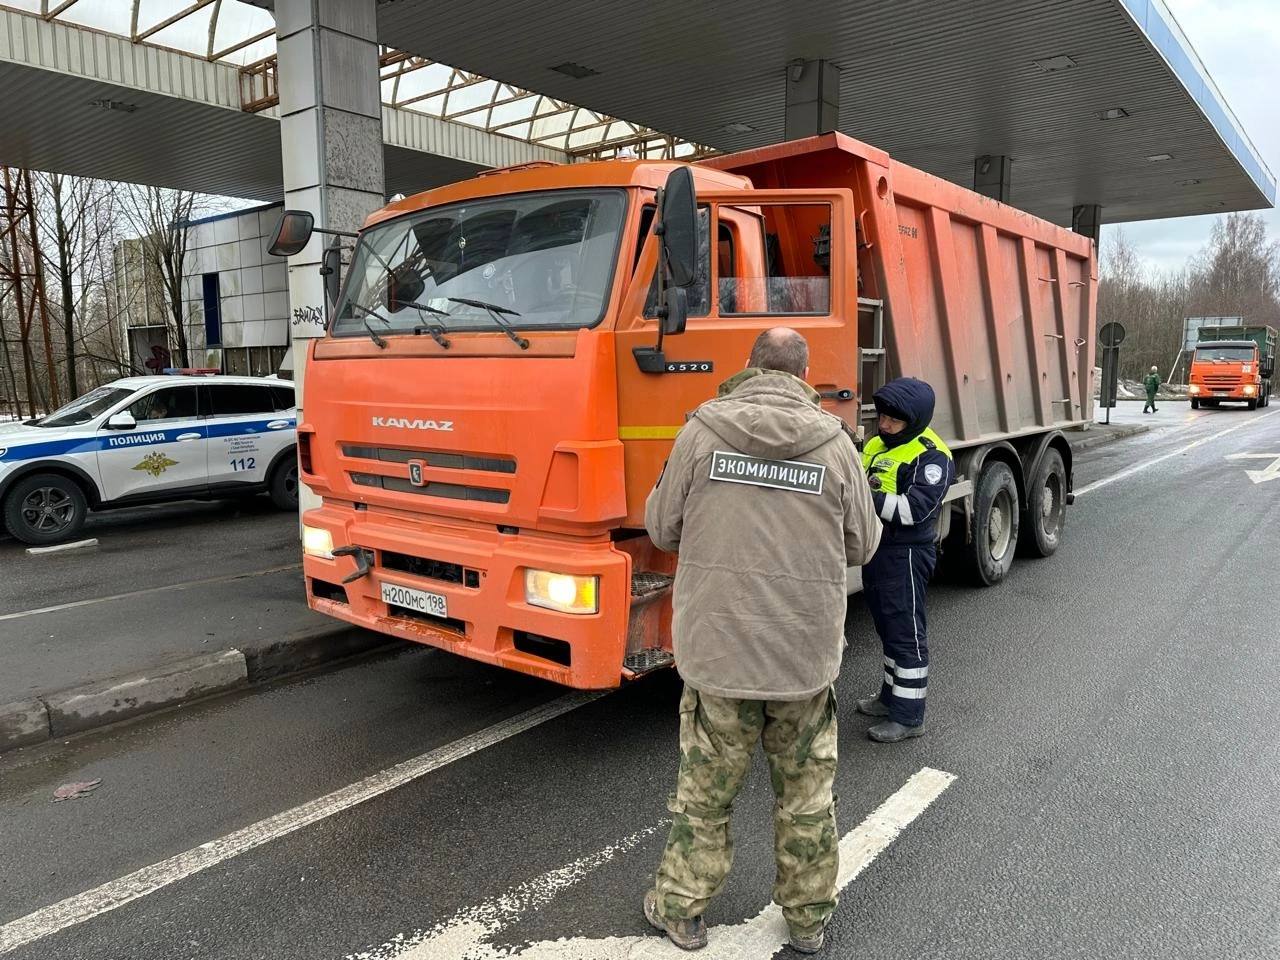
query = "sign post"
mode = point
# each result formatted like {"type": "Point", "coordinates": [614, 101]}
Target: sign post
{"type": "Point", "coordinates": [1110, 337]}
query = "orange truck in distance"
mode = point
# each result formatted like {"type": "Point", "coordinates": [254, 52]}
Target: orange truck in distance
{"type": "Point", "coordinates": [1233, 364]}
{"type": "Point", "coordinates": [511, 356]}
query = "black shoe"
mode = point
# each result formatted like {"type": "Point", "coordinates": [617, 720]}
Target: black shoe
{"type": "Point", "coordinates": [891, 731]}
{"type": "Point", "coordinates": [873, 707]}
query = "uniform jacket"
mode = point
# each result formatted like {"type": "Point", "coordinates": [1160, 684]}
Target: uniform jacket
{"type": "Point", "coordinates": [910, 513]}
{"type": "Point", "coordinates": [765, 502]}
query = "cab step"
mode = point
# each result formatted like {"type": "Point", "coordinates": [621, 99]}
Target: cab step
{"type": "Point", "coordinates": [646, 585]}
{"type": "Point", "coordinates": [646, 661]}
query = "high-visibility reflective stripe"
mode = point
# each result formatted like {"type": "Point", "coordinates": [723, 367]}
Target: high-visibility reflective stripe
{"type": "Point", "coordinates": [648, 433]}
{"type": "Point", "coordinates": [890, 501]}
{"type": "Point", "coordinates": [911, 673]}
{"type": "Point", "coordinates": [904, 510]}
{"type": "Point", "coordinates": [908, 693]}
{"type": "Point", "coordinates": [888, 662]}
{"type": "Point", "coordinates": [915, 620]}
{"type": "Point", "coordinates": [888, 678]}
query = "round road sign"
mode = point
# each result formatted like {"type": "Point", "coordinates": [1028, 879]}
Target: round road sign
{"type": "Point", "coordinates": [1111, 334]}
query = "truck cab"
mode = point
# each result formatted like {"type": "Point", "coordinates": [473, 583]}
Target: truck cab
{"type": "Point", "coordinates": [1232, 365]}
{"type": "Point", "coordinates": [511, 357]}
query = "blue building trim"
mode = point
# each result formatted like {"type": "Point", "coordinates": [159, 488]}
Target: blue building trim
{"type": "Point", "coordinates": [1162, 30]}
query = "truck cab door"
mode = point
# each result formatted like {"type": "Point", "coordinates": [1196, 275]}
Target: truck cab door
{"type": "Point", "coordinates": [779, 258]}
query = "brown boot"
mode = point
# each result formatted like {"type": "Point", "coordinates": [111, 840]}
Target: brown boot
{"type": "Point", "coordinates": [685, 934]}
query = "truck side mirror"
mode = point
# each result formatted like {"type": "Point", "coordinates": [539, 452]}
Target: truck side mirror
{"type": "Point", "coordinates": [122, 421]}
{"type": "Point", "coordinates": [331, 270]}
{"type": "Point", "coordinates": [293, 232]}
{"type": "Point", "coordinates": [678, 228]}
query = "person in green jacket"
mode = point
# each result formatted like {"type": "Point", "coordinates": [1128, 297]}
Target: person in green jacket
{"type": "Point", "coordinates": [1152, 383]}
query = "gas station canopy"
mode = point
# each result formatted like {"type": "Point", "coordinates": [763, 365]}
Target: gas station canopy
{"type": "Point", "coordinates": [1091, 101]}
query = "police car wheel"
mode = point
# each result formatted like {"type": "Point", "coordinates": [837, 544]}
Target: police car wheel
{"type": "Point", "coordinates": [284, 485]}
{"type": "Point", "coordinates": [45, 508]}
{"type": "Point", "coordinates": [1046, 511]}
{"type": "Point", "coordinates": [996, 516]}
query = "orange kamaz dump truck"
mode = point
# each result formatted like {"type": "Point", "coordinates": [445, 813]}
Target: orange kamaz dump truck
{"type": "Point", "coordinates": [511, 356]}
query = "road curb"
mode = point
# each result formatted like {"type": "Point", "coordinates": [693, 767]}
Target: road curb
{"type": "Point", "coordinates": [1088, 442]}
{"type": "Point", "coordinates": [98, 703]}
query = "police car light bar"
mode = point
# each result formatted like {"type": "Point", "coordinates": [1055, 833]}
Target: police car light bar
{"type": "Point", "coordinates": [192, 371]}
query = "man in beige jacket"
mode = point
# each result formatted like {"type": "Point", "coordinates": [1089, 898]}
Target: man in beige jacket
{"type": "Point", "coordinates": [764, 499]}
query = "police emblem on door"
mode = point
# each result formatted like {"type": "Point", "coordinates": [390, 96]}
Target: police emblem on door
{"type": "Point", "coordinates": [415, 473]}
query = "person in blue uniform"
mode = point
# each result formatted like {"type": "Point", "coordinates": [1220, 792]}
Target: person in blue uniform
{"type": "Point", "coordinates": [909, 469]}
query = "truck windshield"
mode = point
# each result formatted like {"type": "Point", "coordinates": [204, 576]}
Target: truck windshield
{"type": "Point", "coordinates": [537, 260]}
{"type": "Point", "coordinates": [1225, 354]}
{"type": "Point", "coordinates": [86, 408]}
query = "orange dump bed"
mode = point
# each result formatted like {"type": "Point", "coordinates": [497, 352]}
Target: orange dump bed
{"type": "Point", "coordinates": [992, 306]}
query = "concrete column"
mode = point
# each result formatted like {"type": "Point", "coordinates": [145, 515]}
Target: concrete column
{"type": "Point", "coordinates": [992, 175]}
{"type": "Point", "coordinates": [1087, 219]}
{"type": "Point", "coordinates": [813, 98]}
{"type": "Point", "coordinates": [331, 142]}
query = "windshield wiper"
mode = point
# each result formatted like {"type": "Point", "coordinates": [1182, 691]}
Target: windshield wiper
{"type": "Point", "coordinates": [437, 330]}
{"type": "Point", "coordinates": [496, 312]}
{"type": "Point", "coordinates": [373, 334]}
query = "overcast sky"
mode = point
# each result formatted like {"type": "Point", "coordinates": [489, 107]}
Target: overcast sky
{"type": "Point", "coordinates": [1239, 42]}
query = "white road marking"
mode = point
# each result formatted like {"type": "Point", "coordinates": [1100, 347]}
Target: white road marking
{"type": "Point", "coordinates": [63, 547]}
{"type": "Point", "coordinates": [1271, 472]}
{"type": "Point", "coordinates": [1139, 467]}
{"type": "Point", "coordinates": [467, 935]}
{"type": "Point", "coordinates": [140, 883]}
{"type": "Point", "coordinates": [227, 578]}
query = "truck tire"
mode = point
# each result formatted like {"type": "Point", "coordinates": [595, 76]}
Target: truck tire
{"type": "Point", "coordinates": [283, 485]}
{"type": "Point", "coordinates": [989, 554]}
{"type": "Point", "coordinates": [1046, 511]}
{"type": "Point", "coordinates": [1251, 404]}
{"type": "Point", "coordinates": [45, 508]}
{"type": "Point", "coordinates": [1195, 404]}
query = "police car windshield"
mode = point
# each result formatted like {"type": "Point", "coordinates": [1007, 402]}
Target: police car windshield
{"type": "Point", "coordinates": [92, 404]}
{"type": "Point", "coordinates": [544, 260]}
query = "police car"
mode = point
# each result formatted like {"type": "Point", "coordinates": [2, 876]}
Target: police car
{"type": "Point", "coordinates": [147, 440]}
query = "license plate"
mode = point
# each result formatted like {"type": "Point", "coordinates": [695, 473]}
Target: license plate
{"type": "Point", "coordinates": [1221, 393]}
{"type": "Point", "coordinates": [420, 600]}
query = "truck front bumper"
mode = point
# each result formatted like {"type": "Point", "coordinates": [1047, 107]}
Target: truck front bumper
{"type": "Point", "coordinates": [481, 574]}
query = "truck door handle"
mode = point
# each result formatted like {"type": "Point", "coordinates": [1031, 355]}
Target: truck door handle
{"type": "Point", "coordinates": [844, 393]}
{"type": "Point", "coordinates": [184, 437]}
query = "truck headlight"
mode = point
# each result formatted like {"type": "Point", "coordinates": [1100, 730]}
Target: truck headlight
{"type": "Point", "coordinates": [1194, 388]}
{"type": "Point", "coordinates": [317, 543]}
{"type": "Point", "coordinates": [564, 592]}
{"type": "Point", "coordinates": [1250, 389]}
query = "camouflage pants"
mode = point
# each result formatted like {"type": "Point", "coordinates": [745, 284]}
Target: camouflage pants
{"type": "Point", "coordinates": [717, 738]}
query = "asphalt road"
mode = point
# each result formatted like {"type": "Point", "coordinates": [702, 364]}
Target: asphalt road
{"type": "Point", "coordinates": [1107, 716]}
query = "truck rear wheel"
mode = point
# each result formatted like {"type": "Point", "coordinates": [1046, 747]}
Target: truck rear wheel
{"type": "Point", "coordinates": [989, 553]}
{"type": "Point", "coordinates": [1046, 511]}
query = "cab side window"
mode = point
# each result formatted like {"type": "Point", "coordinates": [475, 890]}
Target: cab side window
{"type": "Point", "coordinates": [173, 403]}
{"type": "Point", "coordinates": [238, 400]}
{"type": "Point", "coordinates": [790, 271]}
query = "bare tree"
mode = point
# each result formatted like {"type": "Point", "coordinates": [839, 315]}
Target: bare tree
{"type": "Point", "coordinates": [158, 215]}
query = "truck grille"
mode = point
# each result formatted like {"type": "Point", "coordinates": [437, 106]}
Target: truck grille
{"type": "Point", "coordinates": [432, 458]}
{"type": "Point", "coordinates": [451, 491]}
{"type": "Point", "coordinates": [440, 570]}
{"type": "Point", "coordinates": [1221, 381]}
